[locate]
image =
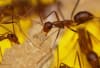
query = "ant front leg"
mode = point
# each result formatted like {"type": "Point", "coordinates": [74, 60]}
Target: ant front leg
{"type": "Point", "coordinates": [55, 13]}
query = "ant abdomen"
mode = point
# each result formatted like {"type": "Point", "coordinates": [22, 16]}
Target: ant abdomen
{"type": "Point", "coordinates": [93, 59]}
{"type": "Point", "coordinates": [83, 16]}
{"type": "Point", "coordinates": [47, 27]}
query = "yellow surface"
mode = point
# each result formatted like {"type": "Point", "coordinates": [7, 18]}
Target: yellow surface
{"type": "Point", "coordinates": [68, 45]}
{"type": "Point", "coordinates": [5, 2]}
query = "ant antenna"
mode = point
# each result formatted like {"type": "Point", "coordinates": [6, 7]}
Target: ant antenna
{"type": "Point", "coordinates": [12, 18]}
{"type": "Point", "coordinates": [5, 28]}
{"type": "Point", "coordinates": [18, 24]}
{"type": "Point", "coordinates": [41, 19]}
{"type": "Point", "coordinates": [59, 10]}
{"type": "Point", "coordinates": [75, 7]}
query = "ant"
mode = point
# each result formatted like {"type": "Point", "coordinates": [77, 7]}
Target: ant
{"type": "Point", "coordinates": [84, 39]}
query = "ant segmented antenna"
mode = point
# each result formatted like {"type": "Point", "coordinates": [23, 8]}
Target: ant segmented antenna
{"type": "Point", "coordinates": [59, 10]}
{"type": "Point", "coordinates": [41, 18]}
{"type": "Point", "coordinates": [75, 7]}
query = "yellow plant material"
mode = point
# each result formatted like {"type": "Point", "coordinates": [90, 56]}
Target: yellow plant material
{"type": "Point", "coordinates": [68, 45]}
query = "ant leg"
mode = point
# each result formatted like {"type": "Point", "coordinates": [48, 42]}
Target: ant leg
{"type": "Point", "coordinates": [89, 40]}
{"type": "Point", "coordinates": [79, 59]}
{"type": "Point", "coordinates": [62, 16]}
{"type": "Point", "coordinates": [1, 57]}
{"type": "Point", "coordinates": [1, 53]}
{"type": "Point", "coordinates": [75, 59]}
{"type": "Point", "coordinates": [59, 10]}
{"type": "Point", "coordinates": [58, 57]}
{"type": "Point", "coordinates": [20, 28]}
{"type": "Point", "coordinates": [57, 47]}
{"type": "Point", "coordinates": [12, 17]}
{"type": "Point", "coordinates": [74, 9]}
{"type": "Point", "coordinates": [51, 49]}
{"type": "Point", "coordinates": [73, 48]}
{"type": "Point", "coordinates": [48, 37]}
{"type": "Point", "coordinates": [44, 59]}
{"type": "Point", "coordinates": [58, 17]}
{"type": "Point", "coordinates": [94, 38]}
{"type": "Point", "coordinates": [41, 19]}
{"type": "Point", "coordinates": [51, 14]}
{"type": "Point", "coordinates": [5, 28]}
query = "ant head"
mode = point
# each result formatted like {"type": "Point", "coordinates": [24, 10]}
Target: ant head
{"type": "Point", "coordinates": [47, 27]}
{"type": "Point", "coordinates": [82, 17]}
{"type": "Point", "coordinates": [13, 38]}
